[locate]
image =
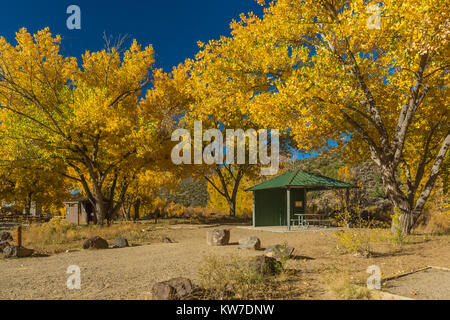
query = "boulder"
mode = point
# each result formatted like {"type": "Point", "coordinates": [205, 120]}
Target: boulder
{"type": "Point", "coordinates": [3, 245]}
{"type": "Point", "coordinates": [250, 243]}
{"type": "Point", "coordinates": [166, 240]}
{"type": "Point", "coordinates": [95, 243]}
{"type": "Point", "coordinates": [17, 252]}
{"type": "Point", "coordinates": [163, 291]}
{"type": "Point", "coordinates": [218, 237]}
{"type": "Point", "coordinates": [5, 236]}
{"type": "Point", "coordinates": [362, 254]}
{"type": "Point", "coordinates": [279, 252]}
{"type": "Point", "coordinates": [120, 243]}
{"type": "Point", "coordinates": [173, 289]}
{"type": "Point", "coordinates": [183, 286]}
{"type": "Point", "coordinates": [265, 265]}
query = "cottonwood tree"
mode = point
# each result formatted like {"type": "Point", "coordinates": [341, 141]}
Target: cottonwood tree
{"type": "Point", "coordinates": [333, 71]}
{"type": "Point", "coordinates": [145, 188]}
{"type": "Point", "coordinates": [89, 116]}
{"type": "Point", "coordinates": [213, 90]}
{"type": "Point", "coordinates": [243, 199]}
{"type": "Point", "coordinates": [26, 178]}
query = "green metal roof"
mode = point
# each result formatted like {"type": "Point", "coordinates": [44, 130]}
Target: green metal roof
{"type": "Point", "coordinates": [301, 179]}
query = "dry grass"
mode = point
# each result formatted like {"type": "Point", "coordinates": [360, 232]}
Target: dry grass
{"type": "Point", "coordinates": [58, 235]}
{"type": "Point", "coordinates": [346, 289]}
{"type": "Point", "coordinates": [233, 277]}
{"type": "Point", "coordinates": [343, 284]}
{"type": "Point", "coordinates": [229, 277]}
{"type": "Point", "coordinates": [129, 273]}
{"type": "Point", "coordinates": [440, 223]}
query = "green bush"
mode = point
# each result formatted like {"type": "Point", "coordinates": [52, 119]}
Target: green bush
{"type": "Point", "coordinates": [397, 234]}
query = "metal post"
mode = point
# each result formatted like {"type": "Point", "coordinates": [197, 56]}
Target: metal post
{"type": "Point", "coordinates": [254, 210]}
{"type": "Point", "coordinates": [305, 204]}
{"type": "Point", "coordinates": [288, 191]}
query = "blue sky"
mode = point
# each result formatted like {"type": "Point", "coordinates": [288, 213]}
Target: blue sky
{"type": "Point", "coordinates": [173, 27]}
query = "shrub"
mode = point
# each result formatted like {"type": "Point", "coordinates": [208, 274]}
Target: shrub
{"type": "Point", "coordinates": [175, 210]}
{"type": "Point", "coordinates": [361, 240]}
{"type": "Point", "coordinates": [358, 240]}
{"type": "Point", "coordinates": [56, 230]}
{"type": "Point", "coordinates": [397, 234]}
{"type": "Point", "coordinates": [346, 289]}
{"type": "Point", "coordinates": [437, 210]}
{"type": "Point", "coordinates": [378, 191]}
{"type": "Point", "coordinates": [231, 277]}
{"type": "Point", "coordinates": [354, 241]}
{"type": "Point", "coordinates": [440, 223]}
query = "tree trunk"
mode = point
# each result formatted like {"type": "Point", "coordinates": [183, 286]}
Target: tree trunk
{"type": "Point", "coordinates": [28, 205]}
{"type": "Point", "coordinates": [407, 220]}
{"type": "Point", "coordinates": [100, 211]}
{"type": "Point", "coordinates": [224, 190]}
{"type": "Point", "coordinates": [137, 205]}
{"type": "Point", "coordinates": [156, 215]}
{"type": "Point", "coordinates": [126, 211]}
{"type": "Point", "coordinates": [232, 204]}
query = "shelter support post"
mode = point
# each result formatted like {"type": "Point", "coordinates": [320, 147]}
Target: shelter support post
{"type": "Point", "coordinates": [288, 221]}
{"type": "Point", "coordinates": [254, 210]}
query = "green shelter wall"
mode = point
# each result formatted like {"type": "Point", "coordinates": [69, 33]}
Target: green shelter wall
{"type": "Point", "coordinates": [298, 195]}
{"type": "Point", "coordinates": [271, 206]}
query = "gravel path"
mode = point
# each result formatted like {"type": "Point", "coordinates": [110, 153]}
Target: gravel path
{"type": "Point", "coordinates": [105, 274]}
{"type": "Point", "coordinates": [431, 284]}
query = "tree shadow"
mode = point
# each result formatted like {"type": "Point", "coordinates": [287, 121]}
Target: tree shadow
{"type": "Point", "coordinates": [396, 253]}
{"type": "Point", "coordinates": [40, 255]}
{"type": "Point", "coordinates": [298, 257]}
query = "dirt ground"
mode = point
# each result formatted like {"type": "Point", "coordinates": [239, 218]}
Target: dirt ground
{"type": "Point", "coordinates": [129, 273]}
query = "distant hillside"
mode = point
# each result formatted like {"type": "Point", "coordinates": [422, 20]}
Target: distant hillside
{"type": "Point", "coordinates": [190, 193]}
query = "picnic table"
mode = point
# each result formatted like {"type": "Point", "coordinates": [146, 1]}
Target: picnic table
{"type": "Point", "coordinates": [307, 219]}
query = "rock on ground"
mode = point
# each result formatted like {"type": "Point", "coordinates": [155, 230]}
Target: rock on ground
{"type": "Point", "coordinates": [250, 243]}
{"type": "Point", "coordinates": [17, 252]}
{"type": "Point", "coordinates": [3, 245]}
{"type": "Point", "coordinates": [264, 265]}
{"type": "Point", "coordinates": [279, 252]}
{"type": "Point", "coordinates": [173, 289]}
{"type": "Point", "coordinates": [5, 236]}
{"type": "Point", "coordinates": [218, 237]}
{"type": "Point", "coordinates": [120, 243]}
{"type": "Point", "coordinates": [166, 240]}
{"type": "Point", "coordinates": [163, 291]}
{"type": "Point", "coordinates": [95, 243]}
{"type": "Point", "coordinates": [364, 254]}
